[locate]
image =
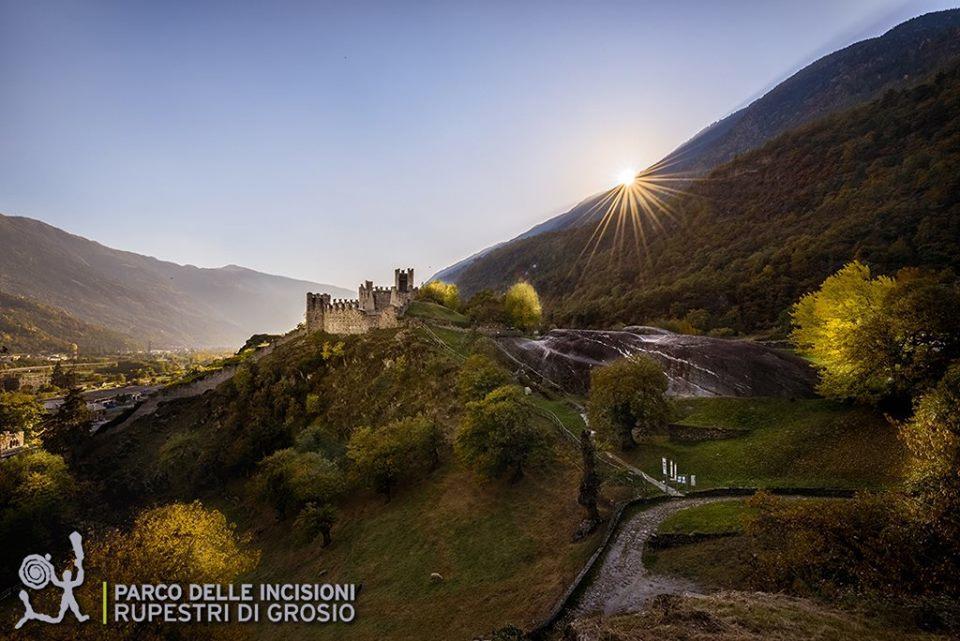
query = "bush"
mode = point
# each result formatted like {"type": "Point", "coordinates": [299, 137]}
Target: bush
{"type": "Point", "coordinates": [181, 543]}
{"type": "Point", "coordinates": [36, 492]}
{"type": "Point", "coordinates": [497, 434]}
{"type": "Point", "coordinates": [480, 375]}
{"type": "Point", "coordinates": [522, 306]}
{"type": "Point", "coordinates": [625, 395]}
{"type": "Point", "coordinates": [486, 307]}
{"type": "Point", "coordinates": [19, 412]}
{"type": "Point", "coordinates": [933, 438]}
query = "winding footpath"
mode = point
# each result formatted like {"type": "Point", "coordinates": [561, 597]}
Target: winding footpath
{"type": "Point", "coordinates": [622, 583]}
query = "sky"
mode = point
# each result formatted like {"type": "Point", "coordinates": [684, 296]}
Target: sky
{"type": "Point", "coordinates": [334, 141]}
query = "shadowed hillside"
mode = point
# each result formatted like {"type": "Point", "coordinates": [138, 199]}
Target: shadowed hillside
{"type": "Point", "coordinates": [28, 326]}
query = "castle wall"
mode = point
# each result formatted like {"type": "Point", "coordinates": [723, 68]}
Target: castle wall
{"type": "Point", "coordinates": [375, 307]}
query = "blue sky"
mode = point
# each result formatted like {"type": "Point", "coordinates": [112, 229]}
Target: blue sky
{"type": "Point", "coordinates": [334, 141]}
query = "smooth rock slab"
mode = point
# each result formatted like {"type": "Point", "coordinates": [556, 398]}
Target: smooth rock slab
{"type": "Point", "coordinates": [694, 365]}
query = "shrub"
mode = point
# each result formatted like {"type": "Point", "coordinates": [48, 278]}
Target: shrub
{"type": "Point", "coordinates": [288, 480]}
{"type": "Point", "coordinates": [315, 520]}
{"type": "Point", "coordinates": [486, 307]}
{"type": "Point", "coordinates": [479, 375]}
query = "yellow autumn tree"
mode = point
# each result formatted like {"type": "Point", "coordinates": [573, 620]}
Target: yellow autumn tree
{"type": "Point", "coordinates": [522, 306]}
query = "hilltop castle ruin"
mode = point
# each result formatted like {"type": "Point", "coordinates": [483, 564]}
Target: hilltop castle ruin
{"type": "Point", "coordinates": [376, 307]}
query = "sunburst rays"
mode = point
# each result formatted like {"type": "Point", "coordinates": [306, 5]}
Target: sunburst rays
{"type": "Point", "coordinates": [632, 211]}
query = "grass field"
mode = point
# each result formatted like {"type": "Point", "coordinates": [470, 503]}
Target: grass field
{"type": "Point", "coordinates": [504, 552]}
{"type": "Point", "coordinates": [432, 312]}
{"type": "Point", "coordinates": [799, 443]}
{"type": "Point", "coordinates": [712, 518]}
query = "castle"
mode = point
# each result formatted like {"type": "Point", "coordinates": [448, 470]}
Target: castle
{"type": "Point", "coordinates": [376, 307]}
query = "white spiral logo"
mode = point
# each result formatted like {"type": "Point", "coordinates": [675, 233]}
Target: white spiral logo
{"type": "Point", "coordinates": [36, 572]}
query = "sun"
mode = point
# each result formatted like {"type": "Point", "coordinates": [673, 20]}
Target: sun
{"type": "Point", "coordinates": [627, 177]}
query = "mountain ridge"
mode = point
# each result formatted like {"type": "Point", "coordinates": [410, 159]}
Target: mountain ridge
{"type": "Point", "coordinates": [168, 304]}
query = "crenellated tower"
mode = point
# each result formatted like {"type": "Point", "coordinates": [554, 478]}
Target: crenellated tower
{"type": "Point", "coordinates": [375, 307]}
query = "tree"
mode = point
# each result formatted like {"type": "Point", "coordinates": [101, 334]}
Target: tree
{"type": "Point", "coordinates": [288, 480]}
{"type": "Point", "coordinates": [876, 339]}
{"type": "Point", "coordinates": [19, 412]}
{"type": "Point", "coordinates": [625, 395]}
{"type": "Point", "coordinates": [933, 437]}
{"type": "Point", "coordinates": [316, 519]}
{"type": "Point", "coordinates": [522, 306]}
{"type": "Point", "coordinates": [60, 378]}
{"type": "Point", "coordinates": [590, 481]}
{"type": "Point", "coordinates": [479, 375]}
{"type": "Point", "coordinates": [69, 428]}
{"type": "Point", "coordinates": [497, 434]}
{"type": "Point", "coordinates": [36, 492]}
{"type": "Point", "coordinates": [401, 449]}
{"type": "Point", "coordinates": [486, 307]}
{"type": "Point", "coordinates": [175, 543]}
{"type": "Point", "coordinates": [437, 291]}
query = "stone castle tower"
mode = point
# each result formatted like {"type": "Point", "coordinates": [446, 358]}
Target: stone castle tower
{"type": "Point", "coordinates": [375, 307]}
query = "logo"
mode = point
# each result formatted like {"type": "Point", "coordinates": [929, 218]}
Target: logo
{"type": "Point", "coordinates": [36, 572]}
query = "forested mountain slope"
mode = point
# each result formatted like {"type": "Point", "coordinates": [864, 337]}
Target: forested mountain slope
{"type": "Point", "coordinates": [902, 57]}
{"type": "Point", "coordinates": [880, 183]}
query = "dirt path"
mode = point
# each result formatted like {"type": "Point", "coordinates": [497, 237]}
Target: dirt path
{"type": "Point", "coordinates": [622, 583]}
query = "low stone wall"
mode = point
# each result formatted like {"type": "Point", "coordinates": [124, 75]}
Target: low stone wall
{"type": "Point", "coordinates": [676, 539]}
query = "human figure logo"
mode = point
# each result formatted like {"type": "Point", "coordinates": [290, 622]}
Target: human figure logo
{"type": "Point", "coordinates": [36, 572]}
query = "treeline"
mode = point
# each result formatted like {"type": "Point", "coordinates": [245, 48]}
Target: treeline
{"type": "Point", "coordinates": [879, 183]}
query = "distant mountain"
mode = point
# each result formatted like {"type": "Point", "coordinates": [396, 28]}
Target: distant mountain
{"type": "Point", "coordinates": [857, 74]}
{"type": "Point", "coordinates": [879, 183]}
{"type": "Point", "coordinates": [151, 300]}
{"type": "Point", "coordinates": [34, 328]}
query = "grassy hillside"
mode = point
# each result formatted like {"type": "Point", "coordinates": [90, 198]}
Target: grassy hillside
{"type": "Point", "coordinates": [504, 553]}
{"type": "Point", "coordinates": [31, 327]}
{"type": "Point", "coordinates": [503, 549]}
{"type": "Point", "coordinates": [434, 313]}
{"type": "Point", "coordinates": [781, 442]}
{"type": "Point", "coordinates": [737, 616]}
{"type": "Point", "coordinates": [880, 183]}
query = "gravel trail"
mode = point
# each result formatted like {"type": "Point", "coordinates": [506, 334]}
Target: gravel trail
{"type": "Point", "coordinates": [622, 583]}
